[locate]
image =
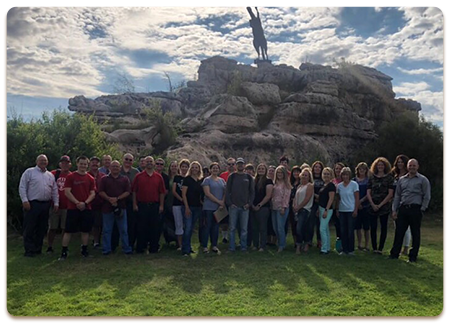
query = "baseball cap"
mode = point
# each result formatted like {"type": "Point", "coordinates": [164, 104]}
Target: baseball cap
{"type": "Point", "coordinates": [240, 160]}
{"type": "Point", "coordinates": [95, 158]}
{"type": "Point", "coordinates": [64, 158]}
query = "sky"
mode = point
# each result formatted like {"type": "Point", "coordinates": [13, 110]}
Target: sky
{"type": "Point", "coordinates": [56, 53]}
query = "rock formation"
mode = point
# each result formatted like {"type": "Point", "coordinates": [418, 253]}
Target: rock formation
{"type": "Point", "coordinates": [259, 113]}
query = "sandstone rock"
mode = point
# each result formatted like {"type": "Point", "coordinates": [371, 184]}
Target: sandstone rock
{"type": "Point", "coordinates": [259, 94]}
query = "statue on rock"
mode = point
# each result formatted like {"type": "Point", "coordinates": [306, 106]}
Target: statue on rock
{"type": "Point", "coordinates": [259, 41]}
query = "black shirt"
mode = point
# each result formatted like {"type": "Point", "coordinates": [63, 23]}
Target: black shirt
{"type": "Point", "coordinates": [324, 194]}
{"type": "Point", "coordinates": [178, 180]}
{"type": "Point", "coordinates": [260, 192]}
{"type": "Point", "coordinates": [194, 192]}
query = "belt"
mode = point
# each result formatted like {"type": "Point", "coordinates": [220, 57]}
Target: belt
{"type": "Point", "coordinates": [42, 202]}
{"type": "Point", "coordinates": [411, 206]}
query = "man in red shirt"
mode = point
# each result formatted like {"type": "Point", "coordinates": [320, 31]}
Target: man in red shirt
{"type": "Point", "coordinates": [148, 201]}
{"type": "Point", "coordinates": [58, 219]}
{"type": "Point", "coordinates": [80, 191]}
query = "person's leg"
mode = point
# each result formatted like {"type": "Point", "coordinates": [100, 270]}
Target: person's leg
{"type": "Point", "coordinates": [178, 218]}
{"type": "Point", "coordinates": [384, 224]}
{"type": "Point", "coordinates": [358, 228]}
{"type": "Point", "coordinates": [282, 220]}
{"type": "Point", "coordinates": [143, 225]}
{"type": "Point", "coordinates": [243, 219]}
{"type": "Point", "coordinates": [30, 220]}
{"type": "Point", "coordinates": [337, 224]}
{"type": "Point", "coordinates": [351, 233]}
{"type": "Point", "coordinates": [343, 217]}
{"type": "Point", "coordinates": [53, 225]}
{"type": "Point", "coordinates": [122, 224]}
{"type": "Point", "coordinates": [154, 228]}
{"type": "Point", "coordinates": [274, 216]}
{"type": "Point", "coordinates": [311, 224]}
{"type": "Point", "coordinates": [115, 236]}
{"type": "Point", "coordinates": [325, 229]}
{"type": "Point", "coordinates": [97, 227]}
{"type": "Point", "coordinates": [206, 231]}
{"type": "Point", "coordinates": [401, 224]}
{"type": "Point", "coordinates": [233, 213]}
{"type": "Point", "coordinates": [42, 227]}
{"type": "Point", "coordinates": [131, 225]}
{"type": "Point", "coordinates": [415, 221]}
{"type": "Point", "coordinates": [249, 229]}
{"type": "Point", "coordinates": [108, 222]}
{"type": "Point", "coordinates": [407, 241]}
{"type": "Point", "coordinates": [373, 230]}
{"type": "Point", "coordinates": [264, 214]}
{"type": "Point", "coordinates": [256, 228]}
{"type": "Point", "coordinates": [214, 230]}
{"type": "Point", "coordinates": [366, 226]}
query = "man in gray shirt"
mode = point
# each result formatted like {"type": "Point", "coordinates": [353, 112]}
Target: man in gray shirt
{"type": "Point", "coordinates": [412, 196]}
{"type": "Point", "coordinates": [239, 196]}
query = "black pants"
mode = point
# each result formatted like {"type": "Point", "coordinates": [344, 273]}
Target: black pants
{"type": "Point", "coordinates": [337, 224]}
{"type": "Point", "coordinates": [407, 216]}
{"type": "Point", "coordinates": [373, 229]}
{"type": "Point", "coordinates": [35, 226]}
{"type": "Point", "coordinates": [313, 223]}
{"type": "Point", "coordinates": [148, 222]}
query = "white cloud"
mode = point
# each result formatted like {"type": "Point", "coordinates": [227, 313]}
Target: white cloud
{"type": "Point", "coordinates": [407, 88]}
{"type": "Point", "coordinates": [421, 71]}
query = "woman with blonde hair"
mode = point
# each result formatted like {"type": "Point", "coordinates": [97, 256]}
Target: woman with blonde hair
{"type": "Point", "coordinates": [280, 205]}
{"type": "Point", "coordinates": [302, 205]}
{"type": "Point", "coordinates": [380, 191]}
{"type": "Point", "coordinates": [191, 193]}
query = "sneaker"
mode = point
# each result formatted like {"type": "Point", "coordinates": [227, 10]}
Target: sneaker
{"type": "Point", "coordinates": [85, 253]}
{"type": "Point", "coordinates": [410, 261]}
{"type": "Point", "coordinates": [192, 251]}
{"type": "Point", "coordinates": [205, 250]}
{"type": "Point", "coordinates": [216, 250]}
{"type": "Point", "coordinates": [96, 245]}
{"type": "Point", "coordinates": [179, 249]}
{"type": "Point", "coordinates": [261, 250]}
{"type": "Point", "coordinates": [184, 254]}
{"type": "Point", "coordinates": [63, 256]}
{"type": "Point", "coordinates": [49, 250]}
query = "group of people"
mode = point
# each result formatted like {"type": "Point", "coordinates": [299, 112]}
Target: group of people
{"type": "Point", "coordinates": [117, 202]}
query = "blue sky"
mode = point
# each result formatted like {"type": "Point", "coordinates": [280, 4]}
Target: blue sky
{"type": "Point", "coordinates": [56, 53]}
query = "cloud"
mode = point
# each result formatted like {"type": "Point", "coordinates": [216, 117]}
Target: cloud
{"type": "Point", "coordinates": [422, 71]}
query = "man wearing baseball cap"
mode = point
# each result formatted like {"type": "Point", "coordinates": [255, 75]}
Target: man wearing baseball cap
{"type": "Point", "coordinates": [57, 220]}
{"type": "Point", "coordinates": [239, 196]}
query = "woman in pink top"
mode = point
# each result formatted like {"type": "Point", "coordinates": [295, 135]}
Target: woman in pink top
{"type": "Point", "coordinates": [280, 205]}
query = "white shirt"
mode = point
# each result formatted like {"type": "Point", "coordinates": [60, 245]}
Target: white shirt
{"type": "Point", "coordinates": [36, 184]}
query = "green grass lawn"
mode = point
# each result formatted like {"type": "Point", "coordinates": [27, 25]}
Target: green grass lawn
{"type": "Point", "coordinates": [238, 284]}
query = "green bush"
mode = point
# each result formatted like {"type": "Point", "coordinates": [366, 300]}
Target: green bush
{"type": "Point", "coordinates": [55, 134]}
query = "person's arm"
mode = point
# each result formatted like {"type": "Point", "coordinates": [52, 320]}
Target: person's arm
{"type": "Point", "coordinates": [23, 185]}
{"type": "Point", "coordinates": [135, 205]}
{"type": "Point", "coordinates": [426, 191]}
{"type": "Point", "coordinates": [79, 204]}
{"type": "Point", "coordinates": [209, 195]}
{"type": "Point", "coordinates": [251, 195]}
{"type": "Point", "coordinates": [387, 198]}
{"type": "Point", "coordinates": [55, 196]}
{"type": "Point", "coordinates": [175, 194]}
{"type": "Point", "coordinates": [330, 202]}
{"type": "Point", "coordinates": [269, 189]}
{"type": "Point", "coordinates": [184, 190]}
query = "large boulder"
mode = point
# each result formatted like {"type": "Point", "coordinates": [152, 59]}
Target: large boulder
{"type": "Point", "coordinates": [260, 94]}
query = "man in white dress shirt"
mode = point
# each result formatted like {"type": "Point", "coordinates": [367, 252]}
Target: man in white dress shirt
{"type": "Point", "coordinates": [37, 189]}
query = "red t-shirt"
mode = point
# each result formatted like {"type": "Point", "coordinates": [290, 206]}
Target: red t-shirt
{"type": "Point", "coordinates": [60, 183]}
{"type": "Point", "coordinates": [225, 175]}
{"type": "Point", "coordinates": [81, 186]}
{"type": "Point", "coordinates": [148, 188]}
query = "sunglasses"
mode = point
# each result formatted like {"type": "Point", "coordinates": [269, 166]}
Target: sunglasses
{"type": "Point", "coordinates": [159, 164]}
{"type": "Point", "coordinates": [231, 164]}
{"type": "Point", "coordinates": [128, 159]}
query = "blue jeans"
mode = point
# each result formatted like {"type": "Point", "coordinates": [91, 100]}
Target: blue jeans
{"type": "Point", "coordinates": [302, 226]}
{"type": "Point", "coordinates": [238, 213]}
{"type": "Point", "coordinates": [189, 224]}
{"type": "Point", "coordinates": [325, 229]}
{"type": "Point", "coordinates": [347, 231]}
{"type": "Point", "coordinates": [279, 223]}
{"type": "Point", "coordinates": [210, 229]}
{"type": "Point", "coordinates": [108, 224]}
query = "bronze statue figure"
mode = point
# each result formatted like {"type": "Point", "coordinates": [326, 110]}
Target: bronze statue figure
{"type": "Point", "coordinates": [259, 41]}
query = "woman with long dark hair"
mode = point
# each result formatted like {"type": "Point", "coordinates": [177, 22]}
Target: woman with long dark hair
{"type": "Point", "coordinates": [326, 201]}
{"type": "Point", "coordinates": [314, 221]}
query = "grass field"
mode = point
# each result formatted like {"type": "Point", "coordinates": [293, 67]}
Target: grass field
{"type": "Point", "coordinates": [238, 284]}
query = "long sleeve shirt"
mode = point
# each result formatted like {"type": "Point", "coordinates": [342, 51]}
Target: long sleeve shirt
{"type": "Point", "coordinates": [412, 190]}
{"type": "Point", "coordinates": [240, 190]}
{"type": "Point", "coordinates": [36, 184]}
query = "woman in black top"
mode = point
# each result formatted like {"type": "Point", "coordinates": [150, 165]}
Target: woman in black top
{"type": "Point", "coordinates": [326, 199]}
{"type": "Point", "coordinates": [192, 194]}
{"type": "Point", "coordinates": [261, 207]}
{"type": "Point", "coordinates": [177, 205]}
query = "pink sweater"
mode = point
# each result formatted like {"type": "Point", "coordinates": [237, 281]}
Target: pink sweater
{"type": "Point", "coordinates": [280, 196]}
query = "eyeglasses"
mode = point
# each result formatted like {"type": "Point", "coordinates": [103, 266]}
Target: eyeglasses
{"type": "Point", "coordinates": [159, 164]}
{"type": "Point", "coordinates": [128, 159]}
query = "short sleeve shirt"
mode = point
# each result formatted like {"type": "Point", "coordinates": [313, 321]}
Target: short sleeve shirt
{"type": "Point", "coordinates": [324, 194]}
{"type": "Point", "coordinates": [194, 192]}
{"type": "Point", "coordinates": [178, 181]}
{"type": "Point", "coordinates": [81, 186]}
{"type": "Point", "coordinates": [217, 188]}
{"type": "Point", "coordinates": [347, 196]}
{"type": "Point", "coordinates": [63, 201]}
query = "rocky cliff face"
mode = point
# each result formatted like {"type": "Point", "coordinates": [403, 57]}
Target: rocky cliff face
{"type": "Point", "coordinates": [259, 113]}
